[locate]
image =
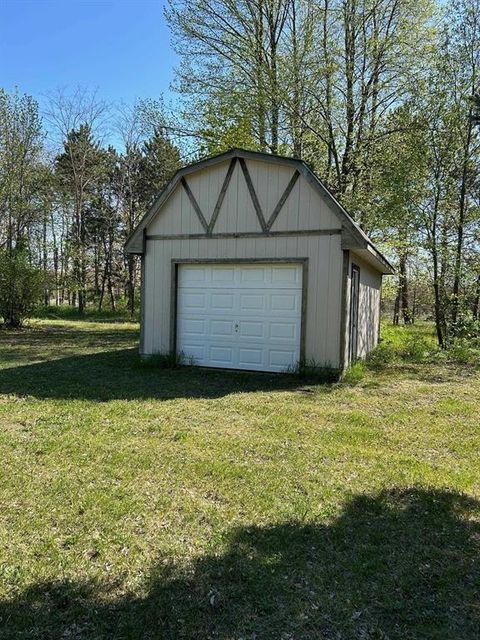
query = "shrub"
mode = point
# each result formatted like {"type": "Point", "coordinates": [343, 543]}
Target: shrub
{"type": "Point", "coordinates": [21, 286]}
{"type": "Point", "coordinates": [417, 344]}
{"type": "Point", "coordinates": [355, 373]}
{"type": "Point", "coordinates": [385, 353]}
{"type": "Point", "coordinates": [464, 351]}
{"type": "Point", "coordinates": [467, 328]}
{"type": "Point", "coordinates": [415, 349]}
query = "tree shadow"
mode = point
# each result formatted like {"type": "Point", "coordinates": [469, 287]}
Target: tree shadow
{"type": "Point", "coordinates": [120, 375]}
{"type": "Point", "coordinates": [402, 564]}
{"type": "Point", "coordinates": [52, 342]}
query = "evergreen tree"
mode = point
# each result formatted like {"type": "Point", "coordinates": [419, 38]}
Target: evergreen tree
{"type": "Point", "coordinates": [159, 161]}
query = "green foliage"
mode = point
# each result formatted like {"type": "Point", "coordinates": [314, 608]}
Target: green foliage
{"type": "Point", "coordinates": [384, 354]}
{"type": "Point", "coordinates": [21, 141]}
{"type": "Point", "coordinates": [227, 122]}
{"type": "Point", "coordinates": [159, 161]}
{"type": "Point", "coordinates": [467, 327]}
{"type": "Point", "coordinates": [416, 344]}
{"type": "Point", "coordinates": [475, 103]}
{"type": "Point", "coordinates": [415, 349]}
{"type": "Point", "coordinates": [355, 373]}
{"type": "Point", "coordinates": [462, 351]}
{"type": "Point", "coordinates": [21, 286]}
{"type": "Point", "coordinates": [404, 344]}
{"type": "Point", "coordinates": [92, 314]}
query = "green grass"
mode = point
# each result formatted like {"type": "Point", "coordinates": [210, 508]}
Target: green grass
{"type": "Point", "coordinates": [138, 502]}
{"type": "Point", "coordinates": [91, 314]}
{"type": "Point", "coordinates": [418, 344]}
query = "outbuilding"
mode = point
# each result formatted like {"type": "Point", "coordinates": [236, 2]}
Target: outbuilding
{"type": "Point", "coordinates": [249, 262]}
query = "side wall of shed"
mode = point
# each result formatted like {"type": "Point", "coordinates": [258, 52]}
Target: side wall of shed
{"type": "Point", "coordinates": [324, 285]}
{"type": "Point", "coordinates": [368, 307]}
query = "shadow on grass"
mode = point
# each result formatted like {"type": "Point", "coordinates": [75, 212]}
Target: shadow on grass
{"type": "Point", "coordinates": [51, 342]}
{"type": "Point", "coordinates": [119, 374]}
{"type": "Point", "coordinates": [396, 565]}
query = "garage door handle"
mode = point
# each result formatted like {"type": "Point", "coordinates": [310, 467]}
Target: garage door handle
{"type": "Point", "coordinates": [236, 327]}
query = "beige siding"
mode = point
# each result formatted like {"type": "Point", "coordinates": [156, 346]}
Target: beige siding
{"type": "Point", "coordinates": [368, 307]}
{"type": "Point", "coordinates": [237, 214]}
{"type": "Point", "coordinates": [304, 210]}
{"type": "Point", "coordinates": [177, 216]}
{"type": "Point", "coordinates": [206, 185]}
{"type": "Point", "coordinates": [322, 342]}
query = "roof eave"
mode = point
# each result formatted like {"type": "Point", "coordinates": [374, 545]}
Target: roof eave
{"type": "Point", "coordinates": [368, 252]}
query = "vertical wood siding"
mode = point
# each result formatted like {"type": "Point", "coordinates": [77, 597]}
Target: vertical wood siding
{"type": "Point", "coordinates": [322, 343]}
{"type": "Point", "coordinates": [303, 210]}
{"type": "Point", "coordinates": [368, 307]}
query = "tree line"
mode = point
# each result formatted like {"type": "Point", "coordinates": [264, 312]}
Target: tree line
{"type": "Point", "coordinates": [380, 97]}
{"type": "Point", "coordinates": [64, 216]}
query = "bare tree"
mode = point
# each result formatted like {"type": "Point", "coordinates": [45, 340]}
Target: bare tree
{"type": "Point", "coordinates": [131, 128]}
{"type": "Point", "coordinates": [79, 111]}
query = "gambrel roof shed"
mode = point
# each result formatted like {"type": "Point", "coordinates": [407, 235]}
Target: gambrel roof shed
{"type": "Point", "coordinates": [249, 262]}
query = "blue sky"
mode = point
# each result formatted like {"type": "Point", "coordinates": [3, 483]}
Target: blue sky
{"type": "Point", "coordinates": [121, 47]}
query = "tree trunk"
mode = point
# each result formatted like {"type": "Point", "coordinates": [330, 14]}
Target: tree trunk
{"type": "Point", "coordinates": [295, 116]}
{"type": "Point", "coordinates": [476, 301]}
{"type": "Point", "coordinates": [461, 228]}
{"type": "Point", "coordinates": [275, 109]}
{"type": "Point", "coordinates": [131, 283]}
{"type": "Point", "coordinates": [439, 308]}
{"type": "Point", "coordinates": [349, 10]}
{"type": "Point", "coordinates": [396, 307]}
{"type": "Point", "coordinates": [259, 70]}
{"type": "Point", "coordinates": [46, 292]}
{"type": "Point", "coordinates": [403, 289]}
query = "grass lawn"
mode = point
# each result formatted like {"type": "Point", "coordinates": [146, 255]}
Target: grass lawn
{"type": "Point", "coordinates": [140, 503]}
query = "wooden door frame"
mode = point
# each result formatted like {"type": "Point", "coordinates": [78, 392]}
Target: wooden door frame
{"type": "Point", "coordinates": [354, 300]}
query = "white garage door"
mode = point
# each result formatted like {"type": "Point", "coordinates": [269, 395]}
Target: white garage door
{"type": "Point", "coordinates": [240, 316]}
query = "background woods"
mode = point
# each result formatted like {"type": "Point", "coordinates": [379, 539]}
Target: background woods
{"type": "Point", "coordinates": [70, 211]}
{"type": "Point", "coordinates": [379, 96]}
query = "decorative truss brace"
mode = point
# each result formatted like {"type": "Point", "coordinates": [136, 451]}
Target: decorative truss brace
{"type": "Point", "coordinates": [266, 225]}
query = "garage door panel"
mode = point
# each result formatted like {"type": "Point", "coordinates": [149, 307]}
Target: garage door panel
{"type": "Point", "coordinates": [252, 301]}
{"type": "Point", "coordinates": [284, 302]}
{"type": "Point", "coordinates": [240, 316]}
{"type": "Point", "coordinates": [194, 300]}
{"type": "Point", "coordinates": [221, 355]}
{"type": "Point", "coordinates": [286, 276]}
{"type": "Point", "coordinates": [283, 331]}
{"type": "Point", "coordinates": [282, 358]}
{"type": "Point", "coordinates": [193, 350]}
{"type": "Point", "coordinates": [221, 301]}
{"type": "Point", "coordinates": [252, 276]}
{"type": "Point", "coordinates": [192, 275]}
{"type": "Point", "coordinates": [252, 328]}
{"type": "Point", "coordinates": [192, 326]}
{"type": "Point", "coordinates": [221, 328]}
{"type": "Point", "coordinates": [250, 356]}
{"type": "Point", "coordinates": [223, 275]}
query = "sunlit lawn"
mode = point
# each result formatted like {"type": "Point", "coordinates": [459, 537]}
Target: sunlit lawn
{"type": "Point", "coordinates": [144, 503]}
